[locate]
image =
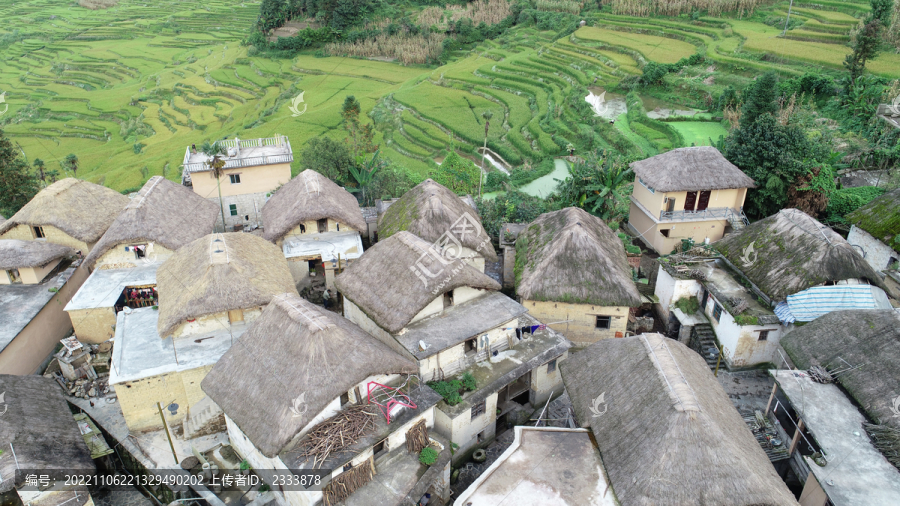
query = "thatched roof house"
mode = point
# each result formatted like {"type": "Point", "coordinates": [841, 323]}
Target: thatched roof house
{"type": "Point", "coordinates": [308, 197]}
{"type": "Point", "coordinates": [385, 286]}
{"type": "Point", "coordinates": [15, 254]}
{"type": "Point", "coordinates": [217, 273]}
{"type": "Point", "coordinates": [691, 169]}
{"type": "Point", "coordinates": [37, 422]}
{"type": "Point", "coordinates": [81, 209]}
{"type": "Point", "coordinates": [867, 338]}
{"type": "Point", "coordinates": [429, 211]}
{"type": "Point", "coordinates": [793, 252]}
{"type": "Point", "coordinates": [880, 218]}
{"type": "Point", "coordinates": [162, 212]}
{"type": "Point", "coordinates": [294, 348]}
{"type": "Point", "coordinates": [572, 256]}
{"type": "Point", "coordinates": [667, 431]}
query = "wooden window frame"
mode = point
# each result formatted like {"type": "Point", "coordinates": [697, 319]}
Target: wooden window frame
{"type": "Point", "coordinates": [479, 409]}
{"type": "Point", "coordinates": [551, 366]}
{"type": "Point", "coordinates": [717, 311]}
{"type": "Point", "coordinates": [233, 177]}
{"type": "Point", "coordinates": [608, 322]}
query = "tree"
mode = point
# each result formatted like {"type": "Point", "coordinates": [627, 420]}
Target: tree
{"type": "Point", "coordinates": [864, 47]}
{"type": "Point", "coordinates": [392, 181]}
{"type": "Point", "coordinates": [327, 157]}
{"type": "Point", "coordinates": [510, 207]}
{"type": "Point", "coordinates": [457, 173]}
{"type": "Point", "coordinates": [881, 10]}
{"type": "Point", "coordinates": [17, 184]}
{"type": "Point", "coordinates": [760, 98]}
{"type": "Point", "coordinates": [39, 166]}
{"type": "Point", "coordinates": [213, 151]}
{"type": "Point", "coordinates": [71, 163]}
{"type": "Point", "coordinates": [359, 137]}
{"type": "Point", "coordinates": [598, 185]}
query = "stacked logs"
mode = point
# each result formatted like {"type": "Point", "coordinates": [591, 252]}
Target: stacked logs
{"type": "Point", "coordinates": [337, 433]}
{"type": "Point", "coordinates": [417, 438]}
{"type": "Point", "coordinates": [348, 482]}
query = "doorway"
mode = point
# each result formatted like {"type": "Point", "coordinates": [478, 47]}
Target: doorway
{"type": "Point", "coordinates": [323, 225]}
{"type": "Point", "coordinates": [703, 297]}
{"type": "Point", "coordinates": [703, 201]}
{"type": "Point", "coordinates": [690, 200]}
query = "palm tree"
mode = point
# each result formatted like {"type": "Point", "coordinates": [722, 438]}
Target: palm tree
{"type": "Point", "coordinates": [487, 115]}
{"type": "Point", "coordinates": [71, 162]}
{"type": "Point", "coordinates": [213, 151]}
{"type": "Point", "coordinates": [39, 166]}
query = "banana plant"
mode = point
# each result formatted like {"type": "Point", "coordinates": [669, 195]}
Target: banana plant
{"type": "Point", "coordinates": [363, 173]}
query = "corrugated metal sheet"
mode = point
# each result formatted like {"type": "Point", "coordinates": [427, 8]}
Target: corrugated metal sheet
{"type": "Point", "coordinates": [814, 302]}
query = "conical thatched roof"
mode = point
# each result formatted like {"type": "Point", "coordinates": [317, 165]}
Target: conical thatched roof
{"type": "Point", "coordinates": [572, 256]}
{"type": "Point", "coordinates": [793, 252]}
{"type": "Point", "coordinates": [81, 209]}
{"type": "Point", "coordinates": [880, 218]}
{"type": "Point", "coordinates": [691, 169]}
{"type": "Point", "coordinates": [217, 273]}
{"type": "Point", "coordinates": [309, 196]}
{"type": "Point", "coordinates": [384, 284]}
{"type": "Point", "coordinates": [429, 211]}
{"type": "Point", "coordinates": [37, 422]}
{"type": "Point", "coordinates": [162, 212]}
{"type": "Point", "coordinates": [867, 338]}
{"type": "Point", "coordinates": [15, 254]}
{"type": "Point", "coordinates": [294, 350]}
{"type": "Point", "coordinates": [667, 431]}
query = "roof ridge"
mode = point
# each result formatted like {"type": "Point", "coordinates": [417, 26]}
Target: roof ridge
{"type": "Point", "coordinates": [311, 314]}
{"type": "Point", "coordinates": [136, 204]}
{"type": "Point", "coordinates": [667, 366]}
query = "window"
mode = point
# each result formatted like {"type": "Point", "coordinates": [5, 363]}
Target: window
{"type": "Point", "coordinates": [603, 322]}
{"type": "Point", "coordinates": [478, 409]}
{"type": "Point", "coordinates": [38, 232]}
{"type": "Point", "coordinates": [14, 276]}
{"type": "Point", "coordinates": [235, 178]}
{"type": "Point", "coordinates": [664, 232]}
{"type": "Point", "coordinates": [232, 209]}
{"type": "Point", "coordinates": [764, 335]}
{"type": "Point", "coordinates": [646, 186]}
{"type": "Point", "coordinates": [717, 311]}
{"type": "Point", "coordinates": [471, 346]}
{"type": "Point", "coordinates": [345, 398]}
{"type": "Point", "coordinates": [551, 366]}
{"type": "Point", "coordinates": [480, 438]}
{"type": "Point", "coordinates": [235, 315]}
{"type": "Point", "coordinates": [379, 448]}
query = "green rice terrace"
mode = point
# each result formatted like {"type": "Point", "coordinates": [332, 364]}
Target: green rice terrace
{"type": "Point", "coordinates": [128, 87]}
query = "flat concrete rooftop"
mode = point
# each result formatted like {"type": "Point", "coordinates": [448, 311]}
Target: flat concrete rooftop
{"type": "Point", "coordinates": [104, 286]}
{"type": "Point", "coordinates": [19, 304]}
{"type": "Point", "coordinates": [326, 245]}
{"type": "Point", "coordinates": [140, 353]}
{"type": "Point", "coordinates": [545, 466]}
{"type": "Point", "coordinates": [856, 473]}
{"type": "Point", "coordinates": [458, 323]}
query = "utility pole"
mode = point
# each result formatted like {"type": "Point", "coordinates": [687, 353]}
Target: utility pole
{"type": "Point", "coordinates": [787, 19]}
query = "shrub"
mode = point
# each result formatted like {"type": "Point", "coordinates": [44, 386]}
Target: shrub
{"type": "Point", "coordinates": [468, 382]}
{"type": "Point", "coordinates": [745, 319]}
{"type": "Point", "coordinates": [688, 305]}
{"type": "Point", "coordinates": [428, 456]}
{"type": "Point", "coordinates": [846, 200]}
{"type": "Point", "coordinates": [449, 390]}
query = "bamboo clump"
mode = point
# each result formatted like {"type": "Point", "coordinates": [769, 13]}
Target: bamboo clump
{"type": "Point", "coordinates": [417, 438]}
{"type": "Point", "coordinates": [348, 482]}
{"type": "Point", "coordinates": [337, 433]}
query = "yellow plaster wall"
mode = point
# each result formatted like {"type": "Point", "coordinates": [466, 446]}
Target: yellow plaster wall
{"type": "Point", "coordinates": [94, 325]}
{"type": "Point", "coordinates": [51, 234]}
{"type": "Point", "coordinates": [581, 329]}
{"type": "Point", "coordinates": [117, 258]}
{"type": "Point", "coordinates": [261, 178]}
{"type": "Point", "coordinates": [138, 399]}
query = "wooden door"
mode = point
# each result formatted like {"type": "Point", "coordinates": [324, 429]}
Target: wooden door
{"type": "Point", "coordinates": [670, 205]}
{"type": "Point", "coordinates": [236, 315]}
{"type": "Point", "coordinates": [703, 201]}
{"type": "Point", "coordinates": [690, 200]}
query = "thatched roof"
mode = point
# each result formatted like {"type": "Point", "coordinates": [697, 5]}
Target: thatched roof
{"type": "Point", "coordinates": [162, 212]}
{"type": "Point", "coordinates": [385, 286]}
{"type": "Point", "coordinates": [38, 423]}
{"type": "Point", "coordinates": [81, 209]}
{"type": "Point", "coordinates": [793, 252]}
{"type": "Point", "coordinates": [309, 196]}
{"type": "Point", "coordinates": [572, 256]}
{"type": "Point", "coordinates": [867, 338]}
{"type": "Point", "coordinates": [880, 218]}
{"type": "Point", "coordinates": [431, 210]}
{"type": "Point", "coordinates": [217, 273]}
{"type": "Point", "coordinates": [294, 349]}
{"type": "Point", "coordinates": [667, 431]}
{"type": "Point", "coordinates": [691, 169]}
{"type": "Point", "coordinates": [15, 254]}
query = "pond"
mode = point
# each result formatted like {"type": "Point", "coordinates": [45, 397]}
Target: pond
{"type": "Point", "coordinates": [660, 109]}
{"type": "Point", "coordinates": [542, 186]}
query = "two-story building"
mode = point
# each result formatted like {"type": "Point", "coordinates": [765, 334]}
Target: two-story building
{"type": "Point", "coordinates": [430, 211]}
{"type": "Point", "coordinates": [209, 292]}
{"type": "Point", "coordinates": [572, 272]}
{"type": "Point", "coordinates": [457, 326]}
{"type": "Point", "coordinates": [253, 169]}
{"type": "Point", "coordinates": [686, 193]}
{"type": "Point", "coordinates": [295, 375]}
{"type": "Point", "coordinates": [316, 223]}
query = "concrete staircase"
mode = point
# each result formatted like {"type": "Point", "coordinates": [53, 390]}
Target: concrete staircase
{"type": "Point", "coordinates": [203, 419]}
{"type": "Point", "coordinates": [703, 341]}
